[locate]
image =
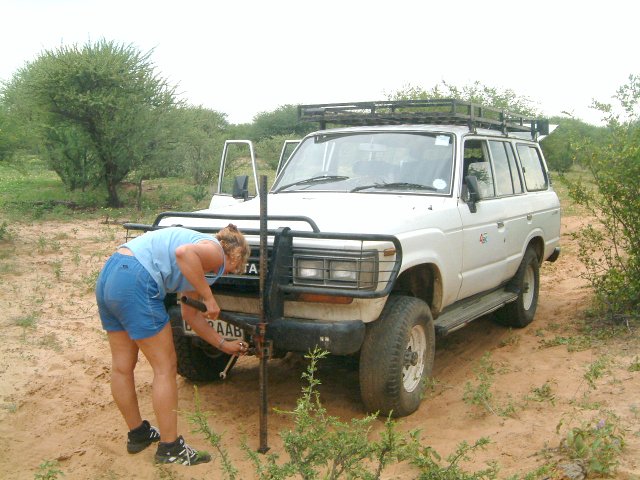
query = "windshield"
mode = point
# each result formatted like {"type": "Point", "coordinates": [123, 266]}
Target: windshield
{"type": "Point", "coordinates": [420, 163]}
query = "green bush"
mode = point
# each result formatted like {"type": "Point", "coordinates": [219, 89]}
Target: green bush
{"type": "Point", "coordinates": [610, 249]}
{"type": "Point", "coordinates": [598, 443]}
{"type": "Point", "coordinates": [320, 446]}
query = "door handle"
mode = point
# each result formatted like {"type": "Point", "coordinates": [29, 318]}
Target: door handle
{"type": "Point", "coordinates": [500, 224]}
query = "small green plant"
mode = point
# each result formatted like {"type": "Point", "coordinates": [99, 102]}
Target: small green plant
{"type": "Point", "coordinates": [511, 340]}
{"type": "Point", "coordinates": [544, 393]}
{"type": "Point", "coordinates": [576, 343]}
{"type": "Point", "coordinates": [199, 420]}
{"type": "Point", "coordinates": [635, 365]}
{"type": "Point", "coordinates": [90, 280]}
{"type": "Point", "coordinates": [5, 233]}
{"type": "Point", "coordinates": [599, 443]}
{"type": "Point", "coordinates": [75, 256]}
{"type": "Point", "coordinates": [27, 322]}
{"type": "Point", "coordinates": [56, 265]}
{"type": "Point", "coordinates": [50, 341]}
{"type": "Point", "coordinates": [480, 394]}
{"type": "Point", "coordinates": [42, 244]}
{"type": "Point", "coordinates": [596, 370]}
{"type": "Point", "coordinates": [48, 470]}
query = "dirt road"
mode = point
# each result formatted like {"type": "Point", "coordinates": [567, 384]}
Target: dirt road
{"type": "Point", "coordinates": [56, 402]}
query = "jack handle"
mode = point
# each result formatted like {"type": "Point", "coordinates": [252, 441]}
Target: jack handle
{"type": "Point", "coordinates": [226, 317]}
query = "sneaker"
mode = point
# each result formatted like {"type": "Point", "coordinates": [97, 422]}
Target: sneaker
{"type": "Point", "coordinates": [141, 437]}
{"type": "Point", "coordinates": [180, 452]}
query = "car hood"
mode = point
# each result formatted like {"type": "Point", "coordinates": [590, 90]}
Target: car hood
{"type": "Point", "coordinates": [338, 212]}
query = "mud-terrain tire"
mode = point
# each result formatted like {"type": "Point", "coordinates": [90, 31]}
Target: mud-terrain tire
{"type": "Point", "coordinates": [198, 363]}
{"type": "Point", "coordinates": [197, 360]}
{"type": "Point", "coordinates": [397, 357]}
{"type": "Point", "coordinates": [526, 282]}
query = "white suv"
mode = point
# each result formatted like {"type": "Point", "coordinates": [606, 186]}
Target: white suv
{"type": "Point", "coordinates": [411, 220]}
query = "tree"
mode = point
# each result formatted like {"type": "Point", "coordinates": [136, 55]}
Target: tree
{"type": "Point", "coordinates": [199, 146]}
{"type": "Point", "coordinates": [10, 132]}
{"type": "Point", "coordinates": [611, 249]}
{"type": "Point", "coordinates": [475, 93]}
{"type": "Point", "coordinates": [561, 147]}
{"type": "Point", "coordinates": [106, 96]}
{"type": "Point", "coordinates": [281, 121]}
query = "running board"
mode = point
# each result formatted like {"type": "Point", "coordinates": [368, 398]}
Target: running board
{"type": "Point", "coordinates": [463, 312]}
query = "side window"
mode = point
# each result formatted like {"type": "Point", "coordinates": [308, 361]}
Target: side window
{"type": "Point", "coordinates": [535, 178]}
{"type": "Point", "coordinates": [504, 164]}
{"type": "Point", "coordinates": [504, 181]}
{"type": "Point", "coordinates": [515, 176]}
{"type": "Point", "coordinates": [476, 162]}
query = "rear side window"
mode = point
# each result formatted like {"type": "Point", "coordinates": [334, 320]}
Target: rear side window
{"type": "Point", "coordinates": [535, 177]}
{"type": "Point", "coordinates": [507, 178]}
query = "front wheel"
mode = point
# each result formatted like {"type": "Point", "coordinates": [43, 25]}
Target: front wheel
{"type": "Point", "coordinates": [526, 281]}
{"type": "Point", "coordinates": [397, 357]}
{"type": "Point", "coordinates": [198, 361]}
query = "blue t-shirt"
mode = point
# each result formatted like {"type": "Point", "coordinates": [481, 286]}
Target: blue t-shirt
{"type": "Point", "coordinates": [156, 251]}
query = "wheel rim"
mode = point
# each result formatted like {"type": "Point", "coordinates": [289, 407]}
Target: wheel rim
{"type": "Point", "coordinates": [414, 359]}
{"type": "Point", "coordinates": [528, 287]}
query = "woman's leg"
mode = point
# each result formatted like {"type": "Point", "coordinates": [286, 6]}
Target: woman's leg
{"type": "Point", "coordinates": [124, 356]}
{"type": "Point", "coordinates": [160, 352]}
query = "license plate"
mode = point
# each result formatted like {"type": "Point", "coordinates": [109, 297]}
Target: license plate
{"type": "Point", "coordinates": [226, 330]}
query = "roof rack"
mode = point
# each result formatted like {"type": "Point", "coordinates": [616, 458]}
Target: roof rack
{"type": "Point", "coordinates": [439, 112]}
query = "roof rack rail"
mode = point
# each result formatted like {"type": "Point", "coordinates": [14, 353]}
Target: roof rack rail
{"type": "Point", "coordinates": [439, 112]}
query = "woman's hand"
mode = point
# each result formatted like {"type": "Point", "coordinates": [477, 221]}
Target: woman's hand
{"type": "Point", "coordinates": [234, 347]}
{"type": "Point", "coordinates": [213, 310]}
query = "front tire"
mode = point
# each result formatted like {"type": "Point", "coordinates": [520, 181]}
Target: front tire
{"type": "Point", "coordinates": [397, 357]}
{"type": "Point", "coordinates": [198, 363]}
{"type": "Point", "coordinates": [197, 360]}
{"type": "Point", "coordinates": [526, 281]}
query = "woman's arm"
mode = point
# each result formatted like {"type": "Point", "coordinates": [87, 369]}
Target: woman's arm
{"type": "Point", "coordinates": [194, 260]}
{"type": "Point", "coordinates": [199, 324]}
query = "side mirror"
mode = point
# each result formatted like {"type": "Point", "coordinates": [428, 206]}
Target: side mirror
{"type": "Point", "coordinates": [474, 192]}
{"type": "Point", "coordinates": [241, 187]}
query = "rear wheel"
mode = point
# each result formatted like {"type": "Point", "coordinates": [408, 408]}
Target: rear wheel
{"type": "Point", "coordinates": [526, 282]}
{"type": "Point", "coordinates": [397, 357]}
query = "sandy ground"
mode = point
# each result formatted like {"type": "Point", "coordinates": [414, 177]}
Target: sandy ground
{"type": "Point", "coordinates": [56, 404]}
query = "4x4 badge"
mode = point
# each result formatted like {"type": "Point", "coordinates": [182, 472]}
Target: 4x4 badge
{"type": "Point", "coordinates": [484, 238]}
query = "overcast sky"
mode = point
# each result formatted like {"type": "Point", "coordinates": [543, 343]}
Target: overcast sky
{"type": "Point", "coordinates": [244, 57]}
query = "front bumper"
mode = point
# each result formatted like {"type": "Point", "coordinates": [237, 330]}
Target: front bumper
{"type": "Point", "coordinates": [300, 335]}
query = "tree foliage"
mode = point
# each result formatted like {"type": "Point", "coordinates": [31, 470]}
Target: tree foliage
{"type": "Point", "coordinates": [281, 121]}
{"type": "Point", "coordinates": [561, 147]}
{"type": "Point", "coordinates": [611, 248]}
{"type": "Point", "coordinates": [503, 99]}
{"type": "Point", "coordinates": [105, 98]}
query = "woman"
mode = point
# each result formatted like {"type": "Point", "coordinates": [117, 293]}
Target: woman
{"type": "Point", "coordinates": [130, 293]}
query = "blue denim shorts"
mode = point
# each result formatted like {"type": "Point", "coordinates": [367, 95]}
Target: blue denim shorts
{"type": "Point", "coordinates": [129, 299]}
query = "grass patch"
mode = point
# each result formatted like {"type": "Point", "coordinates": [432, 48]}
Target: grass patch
{"type": "Point", "coordinates": [30, 191]}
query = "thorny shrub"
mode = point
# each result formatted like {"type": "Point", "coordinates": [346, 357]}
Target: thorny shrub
{"type": "Point", "coordinates": [611, 249]}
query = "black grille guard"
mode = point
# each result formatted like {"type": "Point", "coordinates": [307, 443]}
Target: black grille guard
{"type": "Point", "coordinates": [280, 277]}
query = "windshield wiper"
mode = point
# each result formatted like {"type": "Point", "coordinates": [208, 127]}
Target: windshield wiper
{"type": "Point", "coordinates": [396, 185]}
{"type": "Point", "coordinates": [312, 180]}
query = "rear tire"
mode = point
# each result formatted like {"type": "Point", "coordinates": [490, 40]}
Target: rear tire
{"type": "Point", "coordinates": [526, 282]}
{"type": "Point", "coordinates": [397, 357]}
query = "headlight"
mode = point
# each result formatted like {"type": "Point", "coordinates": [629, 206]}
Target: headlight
{"type": "Point", "coordinates": [337, 269]}
{"type": "Point", "coordinates": [310, 269]}
{"type": "Point", "coordinates": [343, 271]}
